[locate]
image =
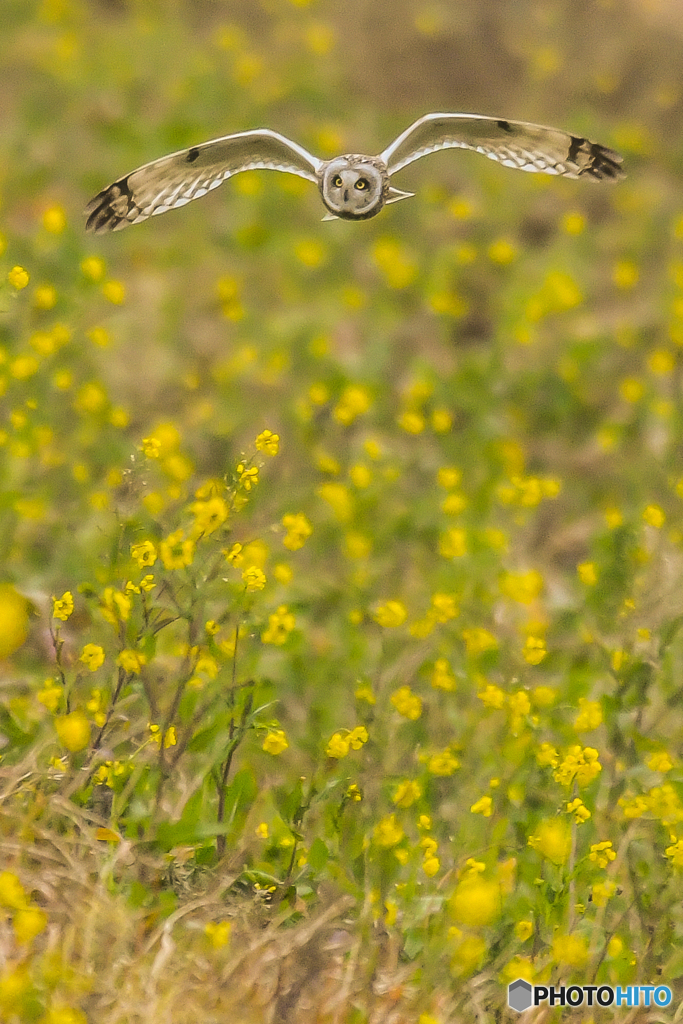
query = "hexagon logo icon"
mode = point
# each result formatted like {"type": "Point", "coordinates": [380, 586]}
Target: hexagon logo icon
{"type": "Point", "coordinates": [519, 995]}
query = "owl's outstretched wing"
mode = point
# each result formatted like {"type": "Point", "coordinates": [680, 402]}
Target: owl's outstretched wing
{"type": "Point", "coordinates": [529, 147]}
{"type": "Point", "coordinates": [181, 177]}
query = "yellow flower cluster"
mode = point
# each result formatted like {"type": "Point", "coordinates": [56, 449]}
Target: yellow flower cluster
{"type": "Point", "coordinates": [298, 531]}
{"type": "Point", "coordinates": [280, 624]}
{"type": "Point", "coordinates": [589, 716]}
{"type": "Point", "coordinates": [522, 587]}
{"type": "Point", "coordinates": [442, 764]}
{"type": "Point", "coordinates": [353, 402]}
{"type": "Point", "coordinates": [275, 742]}
{"type": "Point", "coordinates": [443, 608]}
{"type": "Point", "coordinates": [62, 607]}
{"type": "Point", "coordinates": [552, 839]}
{"type": "Point", "coordinates": [580, 765]}
{"type": "Point", "coordinates": [602, 853]}
{"type": "Point", "coordinates": [407, 703]}
{"type": "Point", "coordinates": [390, 614]}
{"type": "Point", "coordinates": [341, 742]}
{"type": "Point", "coordinates": [579, 810]}
{"type": "Point", "coordinates": [28, 920]}
{"type": "Point", "coordinates": [442, 676]}
{"type": "Point", "coordinates": [528, 491]}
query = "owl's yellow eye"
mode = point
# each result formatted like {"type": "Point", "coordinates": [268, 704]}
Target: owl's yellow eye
{"type": "Point", "coordinates": [337, 182]}
{"type": "Point", "coordinates": [361, 184]}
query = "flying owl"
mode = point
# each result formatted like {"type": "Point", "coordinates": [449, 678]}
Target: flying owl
{"type": "Point", "coordinates": [353, 187]}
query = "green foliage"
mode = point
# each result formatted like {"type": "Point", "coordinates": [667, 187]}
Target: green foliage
{"type": "Point", "coordinates": [341, 562]}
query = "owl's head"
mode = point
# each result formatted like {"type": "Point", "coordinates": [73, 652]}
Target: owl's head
{"type": "Point", "coordinates": [354, 187]}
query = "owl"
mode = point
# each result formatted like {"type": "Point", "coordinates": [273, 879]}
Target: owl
{"type": "Point", "coordinates": [353, 186]}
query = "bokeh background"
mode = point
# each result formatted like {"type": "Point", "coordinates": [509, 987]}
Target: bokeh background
{"type": "Point", "coordinates": [478, 401]}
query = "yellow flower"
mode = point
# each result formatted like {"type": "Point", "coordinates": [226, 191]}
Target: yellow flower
{"type": "Point", "coordinates": [522, 587]}
{"type": "Point", "coordinates": [492, 697]}
{"type": "Point", "coordinates": [51, 695]}
{"type": "Point", "coordinates": [144, 553]}
{"type": "Point", "coordinates": [502, 251]}
{"type": "Point", "coordinates": [390, 614]}
{"type": "Point", "coordinates": [338, 746]}
{"type": "Point", "coordinates": [27, 923]}
{"type": "Point", "coordinates": [552, 839]}
{"type": "Point", "coordinates": [411, 421]}
{"type": "Point", "coordinates": [534, 650]}
{"type": "Point", "coordinates": [442, 764]}
{"type": "Point", "coordinates": [675, 854]}
{"type": "Point", "coordinates": [442, 421]}
{"type": "Point", "coordinates": [176, 550]}
{"type": "Point", "coordinates": [13, 620]}
{"type": "Point", "coordinates": [92, 655]}
{"type": "Point", "coordinates": [45, 297]}
{"type": "Point", "coordinates": [63, 606]}
{"type": "Point", "coordinates": [280, 625]}
{"type": "Point", "coordinates": [587, 573]}
{"type": "Point", "coordinates": [275, 742]}
{"type": "Point", "coordinates": [73, 731]}
{"type": "Point", "coordinates": [602, 892]}
{"type": "Point", "coordinates": [387, 832]}
{"type": "Point", "coordinates": [298, 531]}
{"type": "Point", "coordinates": [18, 278]}
{"type": "Point", "coordinates": [602, 853]}
{"type": "Point", "coordinates": [579, 810]}
{"type": "Point", "coordinates": [218, 933]}
{"type": "Point", "coordinates": [93, 267]}
{"type": "Point", "coordinates": [339, 499]}
{"type": "Point", "coordinates": [524, 930]}
{"type": "Point", "coordinates": [478, 640]}
{"type": "Point", "coordinates": [12, 893]}
{"type": "Point", "coordinates": [131, 661]}
{"type": "Point", "coordinates": [54, 220]}
{"type": "Point", "coordinates": [579, 764]}
{"type": "Point", "coordinates": [654, 516]}
{"type": "Point", "coordinates": [114, 292]}
{"type": "Point", "coordinates": [453, 543]}
{"type": "Point", "coordinates": [170, 739]}
{"type": "Point", "coordinates": [573, 223]}
{"type": "Point", "coordinates": [247, 476]}
{"type": "Point", "coordinates": [407, 703]}
{"type": "Point", "coordinates": [268, 442]}
{"type": "Point", "coordinates": [358, 736]}
{"type": "Point", "coordinates": [659, 762]}
{"type": "Point", "coordinates": [589, 716]}
{"type": "Point", "coordinates": [254, 579]}
{"type": "Point", "coordinates": [234, 556]}
{"type": "Point", "coordinates": [354, 401]}
{"type": "Point", "coordinates": [208, 515]}
{"type": "Point", "coordinates": [406, 794]}
{"type": "Point", "coordinates": [483, 806]}
{"type": "Point", "coordinates": [476, 901]}
{"type": "Point", "coordinates": [114, 606]}
{"type": "Point", "coordinates": [444, 607]}
{"type": "Point", "coordinates": [625, 274]}
{"type": "Point", "coordinates": [442, 676]}
{"type": "Point", "coordinates": [547, 756]}
{"type": "Point", "coordinates": [570, 949]}
{"type": "Point", "coordinates": [395, 262]}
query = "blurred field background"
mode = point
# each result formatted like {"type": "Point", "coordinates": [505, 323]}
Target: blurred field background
{"type": "Point", "coordinates": [341, 564]}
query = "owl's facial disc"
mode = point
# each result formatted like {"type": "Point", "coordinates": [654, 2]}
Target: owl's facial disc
{"type": "Point", "coordinates": [352, 188]}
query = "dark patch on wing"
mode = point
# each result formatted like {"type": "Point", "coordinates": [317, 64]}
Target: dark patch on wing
{"type": "Point", "coordinates": [575, 147]}
{"type": "Point", "coordinates": [110, 207]}
{"type": "Point", "coordinates": [504, 126]}
{"type": "Point", "coordinates": [192, 155]}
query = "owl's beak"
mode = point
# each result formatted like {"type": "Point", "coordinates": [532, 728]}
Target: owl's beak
{"type": "Point", "coordinates": [330, 216]}
{"type": "Point", "coordinates": [395, 195]}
